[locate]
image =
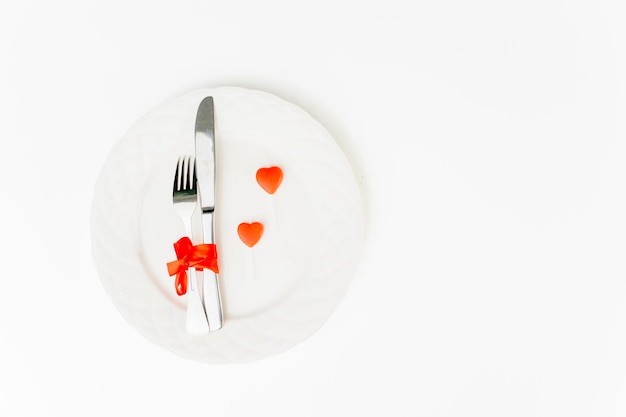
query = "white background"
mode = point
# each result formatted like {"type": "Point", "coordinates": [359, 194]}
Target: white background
{"type": "Point", "coordinates": [489, 141]}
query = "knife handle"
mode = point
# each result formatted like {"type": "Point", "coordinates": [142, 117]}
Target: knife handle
{"type": "Point", "coordinates": [212, 298]}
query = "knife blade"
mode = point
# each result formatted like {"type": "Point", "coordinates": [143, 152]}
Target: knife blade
{"type": "Point", "coordinates": [205, 169]}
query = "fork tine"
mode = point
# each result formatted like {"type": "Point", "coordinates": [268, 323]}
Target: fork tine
{"type": "Point", "coordinates": [177, 176]}
{"type": "Point", "coordinates": [185, 172]}
{"type": "Point", "coordinates": [186, 168]}
{"type": "Point", "coordinates": [188, 173]}
{"type": "Point", "coordinates": [192, 173]}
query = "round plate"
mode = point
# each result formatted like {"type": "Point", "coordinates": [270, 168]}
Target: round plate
{"type": "Point", "coordinates": [276, 293]}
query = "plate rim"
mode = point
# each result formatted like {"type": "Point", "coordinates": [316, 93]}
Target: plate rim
{"type": "Point", "coordinates": [215, 350]}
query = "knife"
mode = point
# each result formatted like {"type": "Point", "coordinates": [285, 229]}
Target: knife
{"type": "Point", "coordinates": [205, 169]}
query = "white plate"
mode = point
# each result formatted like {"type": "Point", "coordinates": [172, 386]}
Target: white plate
{"type": "Point", "coordinates": [275, 294]}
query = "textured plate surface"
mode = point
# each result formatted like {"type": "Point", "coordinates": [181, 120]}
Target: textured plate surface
{"type": "Point", "coordinates": [275, 294]}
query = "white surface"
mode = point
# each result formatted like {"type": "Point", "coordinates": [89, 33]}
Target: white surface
{"type": "Point", "coordinates": [490, 134]}
{"type": "Point", "coordinates": [275, 294]}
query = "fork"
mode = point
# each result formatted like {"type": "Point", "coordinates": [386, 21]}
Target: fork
{"type": "Point", "coordinates": [185, 198]}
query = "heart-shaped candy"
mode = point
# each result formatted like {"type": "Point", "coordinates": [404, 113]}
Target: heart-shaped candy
{"type": "Point", "coordinates": [269, 178]}
{"type": "Point", "coordinates": [250, 233]}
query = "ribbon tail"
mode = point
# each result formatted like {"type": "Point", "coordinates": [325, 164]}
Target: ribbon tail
{"type": "Point", "coordinates": [181, 282]}
{"type": "Point", "coordinates": [174, 267]}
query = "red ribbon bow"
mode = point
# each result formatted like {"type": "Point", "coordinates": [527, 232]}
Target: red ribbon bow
{"type": "Point", "coordinates": [190, 256]}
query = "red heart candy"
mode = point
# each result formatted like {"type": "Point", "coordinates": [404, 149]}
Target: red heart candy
{"type": "Point", "coordinates": [250, 233]}
{"type": "Point", "coordinates": [269, 178]}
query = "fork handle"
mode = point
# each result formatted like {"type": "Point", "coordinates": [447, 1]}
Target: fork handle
{"type": "Point", "coordinates": [196, 321]}
{"type": "Point", "coordinates": [197, 324]}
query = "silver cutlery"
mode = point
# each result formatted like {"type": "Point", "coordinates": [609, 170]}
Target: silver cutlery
{"type": "Point", "coordinates": [185, 199]}
{"type": "Point", "coordinates": [205, 167]}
